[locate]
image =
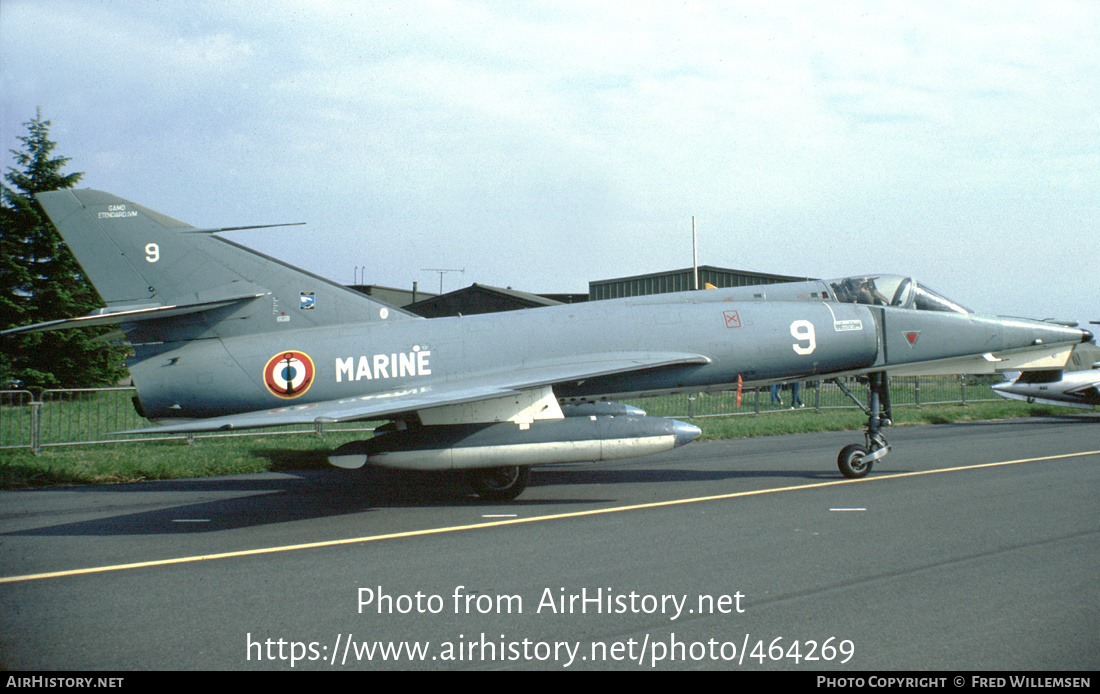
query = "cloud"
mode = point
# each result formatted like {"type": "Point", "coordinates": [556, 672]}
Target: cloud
{"type": "Point", "coordinates": [808, 138]}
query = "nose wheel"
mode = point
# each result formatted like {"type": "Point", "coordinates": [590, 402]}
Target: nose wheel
{"type": "Point", "coordinates": [856, 460]}
{"type": "Point", "coordinates": [853, 462]}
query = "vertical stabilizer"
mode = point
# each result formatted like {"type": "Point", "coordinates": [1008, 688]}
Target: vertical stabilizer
{"type": "Point", "coordinates": [137, 257]}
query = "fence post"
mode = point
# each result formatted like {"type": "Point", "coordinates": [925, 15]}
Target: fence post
{"type": "Point", "coordinates": [916, 390]}
{"type": "Point", "coordinates": [817, 395]}
{"type": "Point", "coordinates": [36, 426]}
{"type": "Point", "coordinates": [962, 389]}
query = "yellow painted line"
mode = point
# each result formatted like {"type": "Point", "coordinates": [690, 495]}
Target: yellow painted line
{"type": "Point", "coordinates": [517, 521]}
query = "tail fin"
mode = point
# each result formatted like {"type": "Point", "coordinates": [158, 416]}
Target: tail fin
{"type": "Point", "coordinates": [143, 262]}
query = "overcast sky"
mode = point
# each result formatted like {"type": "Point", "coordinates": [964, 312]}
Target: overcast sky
{"type": "Point", "coordinates": [541, 145]}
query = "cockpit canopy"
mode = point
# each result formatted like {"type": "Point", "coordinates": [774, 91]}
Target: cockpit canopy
{"type": "Point", "coordinates": [891, 290]}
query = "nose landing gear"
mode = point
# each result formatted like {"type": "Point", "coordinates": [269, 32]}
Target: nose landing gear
{"type": "Point", "coordinates": [856, 460]}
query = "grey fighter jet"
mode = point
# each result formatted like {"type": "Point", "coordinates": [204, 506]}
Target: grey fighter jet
{"type": "Point", "coordinates": [227, 338]}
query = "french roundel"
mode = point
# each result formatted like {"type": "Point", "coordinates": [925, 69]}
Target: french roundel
{"type": "Point", "coordinates": [289, 374]}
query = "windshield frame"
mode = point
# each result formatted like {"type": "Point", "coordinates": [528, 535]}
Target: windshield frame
{"type": "Point", "coordinates": [897, 291]}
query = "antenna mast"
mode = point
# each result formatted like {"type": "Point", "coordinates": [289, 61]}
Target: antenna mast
{"type": "Point", "coordinates": [694, 257]}
{"type": "Point", "coordinates": [442, 271]}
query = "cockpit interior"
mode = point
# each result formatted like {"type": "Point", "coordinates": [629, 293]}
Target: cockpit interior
{"type": "Point", "coordinates": [891, 290]}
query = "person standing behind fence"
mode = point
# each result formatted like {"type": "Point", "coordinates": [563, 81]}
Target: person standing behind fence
{"type": "Point", "coordinates": [774, 390]}
{"type": "Point", "coordinates": [796, 397]}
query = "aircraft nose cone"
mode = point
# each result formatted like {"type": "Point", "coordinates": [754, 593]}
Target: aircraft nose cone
{"type": "Point", "coordinates": [684, 432]}
{"type": "Point", "coordinates": [1086, 336]}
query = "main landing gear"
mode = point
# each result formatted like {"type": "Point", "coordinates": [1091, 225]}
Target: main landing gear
{"type": "Point", "coordinates": [500, 483]}
{"type": "Point", "coordinates": [855, 460]}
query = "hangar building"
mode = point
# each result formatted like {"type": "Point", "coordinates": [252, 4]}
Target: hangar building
{"type": "Point", "coordinates": [482, 298]}
{"type": "Point", "coordinates": [681, 281]}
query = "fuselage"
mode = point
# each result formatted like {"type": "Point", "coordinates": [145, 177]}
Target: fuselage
{"type": "Point", "coordinates": [755, 334]}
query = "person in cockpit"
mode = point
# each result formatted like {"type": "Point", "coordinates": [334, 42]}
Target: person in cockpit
{"type": "Point", "coordinates": [868, 293]}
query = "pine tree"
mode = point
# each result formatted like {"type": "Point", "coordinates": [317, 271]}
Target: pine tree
{"type": "Point", "coordinates": [40, 280]}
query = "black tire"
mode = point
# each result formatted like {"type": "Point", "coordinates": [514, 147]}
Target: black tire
{"type": "Point", "coordinates": [851, 463]}
{"type": "Point", "coordinates": [500, 483]}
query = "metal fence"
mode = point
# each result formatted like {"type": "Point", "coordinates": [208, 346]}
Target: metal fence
{"type": "Point", "coordinates": [67, 417]}
{"type": "Point", "coordinates": [80, 416]}
{"type": "Point", "coordinates": [819, 395]}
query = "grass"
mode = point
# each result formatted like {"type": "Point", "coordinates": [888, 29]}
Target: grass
{"type": "Point", "coordinates": [156, 460]}
{"type": "Point", "coordinates": [809, 421]}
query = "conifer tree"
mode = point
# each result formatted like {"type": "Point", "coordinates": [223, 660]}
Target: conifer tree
{"type": "Point", "coordinates": [40, 280]}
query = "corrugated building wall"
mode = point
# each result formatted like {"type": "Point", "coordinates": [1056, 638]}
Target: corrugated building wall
{"type": "Point", "coordinates": [681, 281]}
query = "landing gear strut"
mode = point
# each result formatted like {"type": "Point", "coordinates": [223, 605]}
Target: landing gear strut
{"type": "Point", "coordinates": [500, 483]}
{"type": "Point", "coordinates": [855, 460]}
